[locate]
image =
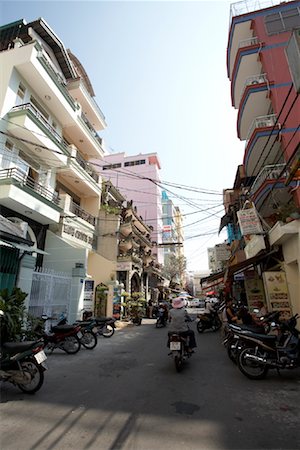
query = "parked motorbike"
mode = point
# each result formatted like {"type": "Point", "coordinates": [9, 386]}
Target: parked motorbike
{"type": "Point", "coordinates": [264, 352]}
{"type": "Point", "coordinates": [179, 349]}
{"type": "Point", "coordinates": [105, 326]}
{"type": "Point", "coordinates": [209, 321]}
{"type": "Point", "coordinates": [86, 334]}
{"type": "Point", "coordinates": [232, 340]}
{"type": "Point", "coordinates": [66, 337]}
{"type": "Point", "coordinates": [23, 364]}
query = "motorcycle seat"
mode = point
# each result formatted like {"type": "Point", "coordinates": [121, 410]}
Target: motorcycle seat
{"type": "Point", "coordinates": [104, 319]}
{"type": "Point", "coordinates": [252, 328]}
{"type": "Point", "coordinates": [16, 347]}
{"type": "Point", "coordinates": [83, 323]}
{"type": "Point", "coordinates": [63, 328]}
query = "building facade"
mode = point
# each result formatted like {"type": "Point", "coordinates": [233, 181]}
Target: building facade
{"type": "Point", "coordinates": [49, 119]}
{"type": "Point", "coordinates": [262, 210]}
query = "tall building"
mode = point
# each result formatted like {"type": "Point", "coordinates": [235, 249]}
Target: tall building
{"type": "Point", "coordinates": [49, 119]}
{"type": "Point", "coordinates": [136, 178]}
{"type": "Point", "coordinates": [263, 59]}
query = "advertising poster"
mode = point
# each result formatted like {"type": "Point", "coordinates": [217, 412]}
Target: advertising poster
{"type": "Point", "coordinates": [277, 293]}
{"type": "Point", "coordinates": [88, 296]}
{"type": "Point", "coordinates": [254, 289]}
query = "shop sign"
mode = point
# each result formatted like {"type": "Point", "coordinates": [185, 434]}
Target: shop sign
{"type": "Point", "coordinates": [222, 252]}
{"type": "Point", "coordinates": [254, 245]}
{"type": "Point", "coordinates": [254, 289]}
{"type": "Point", "coordinates": [249, 221]}
{"type": "Point", "coordinates": [77, 234]}
{"type": "Point", "coordinates": [277, 293]}
{"type": "Point", "coordinates": [88, 295]}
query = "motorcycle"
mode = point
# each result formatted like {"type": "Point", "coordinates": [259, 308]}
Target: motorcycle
{"type": "Point", "coordinates": [209, 321]}
{"type": "Point", "coordinates": [86, 334]}
{"type": "Point", "coordinates": [179, 349]}
{"type": "Point", "coordinates": [264, 352]}
{"type": "Point", "coordinates": [65, 337]}
{"type": "Point", "coordinates": [23, 364]}
{"type": "Point", "coordinates": [161, 320]}
{"type": "Point", "coordinates": [104, 326]}
{"type": "Point", "coordinates": [232, 341]}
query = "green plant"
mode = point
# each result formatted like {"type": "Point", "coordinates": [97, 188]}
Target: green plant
{"type": "Point", "coordinates": [13, 307]}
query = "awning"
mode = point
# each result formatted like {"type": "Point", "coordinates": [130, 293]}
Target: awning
{"type": "Point", "coordinates": [213, 277]}
{"type": "Point", "coordinates": [239, 267]}
{"type": "Point", "coordinates": [225, 220]}
{"type": "Point", "coordinates": [23, 247]}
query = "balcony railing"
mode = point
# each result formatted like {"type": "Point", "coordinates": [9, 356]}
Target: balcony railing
{"type": "Point", "coordinates": [25, 181]}
{"type": "Point", "coordinates": [42, 120]}
{"type": "Point", "coordinates": [91, 129]}
{"type": "Point", "coordinates": [269, 172]}
{"type": "Point", "coordinates": [248, 42]}
{"type": "Point", "coordinates": [93, 101]}
{"type": "Point", "coordinates": [84, 164]}
{"type": "Point", "coordinates": [247, 6]}
{"type": "Point", "coordinates": [261, 122]}
{"type": "Point", "coordinates": [57, 78]}
{"type": "Point", "coordinates": [254, 80]}
{"type": "Point", "coordinates": [78, 211]}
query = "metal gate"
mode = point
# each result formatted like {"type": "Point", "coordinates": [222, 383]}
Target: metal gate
{"type": "Point", "coordinates": [50, 293]}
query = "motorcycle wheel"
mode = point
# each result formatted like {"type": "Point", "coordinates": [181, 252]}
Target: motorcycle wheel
{"type": "Point", "coordinates": [178, 363]}
{"type": "Point", "coordinates": [137, 321]}
{"type": "Point", "coordinates": [250, 368]}
{"type": "Point", "coordinates": [36, 373]}
{"type": "Point", "coordinates": [231, 353]}
{"type": "Point", "coordinates": [217, 324]}
{"type": "Point", "coordinates": [200, 327]}
{"type": "Point", "coordinates": [89, 340]}
{"type": "Point", "coordinates": [71, 345]}
{"type": "Point", "coordinates": [108, 331]}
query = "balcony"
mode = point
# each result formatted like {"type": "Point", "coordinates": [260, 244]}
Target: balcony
{"type": "Point", "coordinates": [22, 193]}
{"type": "Point", "coordinates": [254, 102]}
{"type": "Point", "coordinates": [84, 215]}
{"type": "Point", "coordinates": [94, 114]}
{"type": "Point", "coordinates": [79, 175]}
{"type": "Point", "coordinates": [262, 144]}
{"type": "Point", "coordinates": [41, 139]}
{"type": "Point", "coordinates": [269, 189]}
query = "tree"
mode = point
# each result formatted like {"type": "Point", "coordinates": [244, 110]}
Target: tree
{"type": "Point", "coordinates": [174, 268]}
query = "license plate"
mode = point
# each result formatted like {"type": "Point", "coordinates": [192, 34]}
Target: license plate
{"type": "Point", "coordinates": [79, 334]}
{"type": "Point", "coordinates": [175, 345]}
{"type": "Point", "coordinates": [40, 357]}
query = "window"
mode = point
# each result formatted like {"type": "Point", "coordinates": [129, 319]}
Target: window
{"type": "Point", "coordinates": [9, 145]}
{"type": "Point", "coordinates": [21, 91]}
{"type": "Point", "coordinates": [111, 166]}
{"type": "Point", "coordinates": [282, 21]}
{"type": "Point", "coordinates": [135, 163]}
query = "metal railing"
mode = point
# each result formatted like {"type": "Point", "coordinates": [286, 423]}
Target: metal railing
{"type": "Point", "coordinates": [50, 68]}
{"type": "Point", "coordinates": [269, 172]}
{"type": "Point", "coordinates": [247, 6]}
{"type": "Point", "coordinates": [30, 107]}
{"type": "Point", "coordinates": [261, 122]}
{"type": "Point", "coordinates": [25, 181]}
{"type": "Point", "coordinates": [248, 42]}
{"type": "Point", "coordinates": [93, 101]}
{"type": "Point", "coordinates": [254, 80]}
{"type": "Point", "coordinates": [91, 129]}
{"type": "Point", "coordinates": [78, 211]}
{"type": "Point", "coordinates": [85, 165]}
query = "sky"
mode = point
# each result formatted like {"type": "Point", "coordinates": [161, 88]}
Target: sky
{"type": "Point", "coordinates": [158, 69]}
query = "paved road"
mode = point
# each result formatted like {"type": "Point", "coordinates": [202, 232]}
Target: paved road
{"type": "Point", "coordinates": [125, 394]}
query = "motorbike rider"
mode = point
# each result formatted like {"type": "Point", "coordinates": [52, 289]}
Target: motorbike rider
{"type": "Point", "coordinates": [163, 313]}
{"type": "Point", "coordinates": [178, 318]}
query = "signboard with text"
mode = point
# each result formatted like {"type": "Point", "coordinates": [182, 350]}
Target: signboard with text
{"type": "Point", "coordinates": [249, 221]}
{"type": "Point", "coordinates": [254, 289]}
{"type": "Point", "coordinates": [277, 293]}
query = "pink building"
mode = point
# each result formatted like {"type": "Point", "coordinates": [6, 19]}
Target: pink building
{"type": "Point", "coordinates": [136, 177]}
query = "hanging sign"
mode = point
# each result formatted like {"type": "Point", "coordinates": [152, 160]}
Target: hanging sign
{"type": "Point", "coordinates": [254, 289]}
{"type": "Point", "coordinates": [249, 221]}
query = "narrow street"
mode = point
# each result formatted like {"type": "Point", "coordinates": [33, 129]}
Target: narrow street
{"type": "Point", "coordinates": [126, 394]}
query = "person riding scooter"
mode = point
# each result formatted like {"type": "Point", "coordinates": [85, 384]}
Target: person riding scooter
{"type": "Point", "coordinates": [178, 318]}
